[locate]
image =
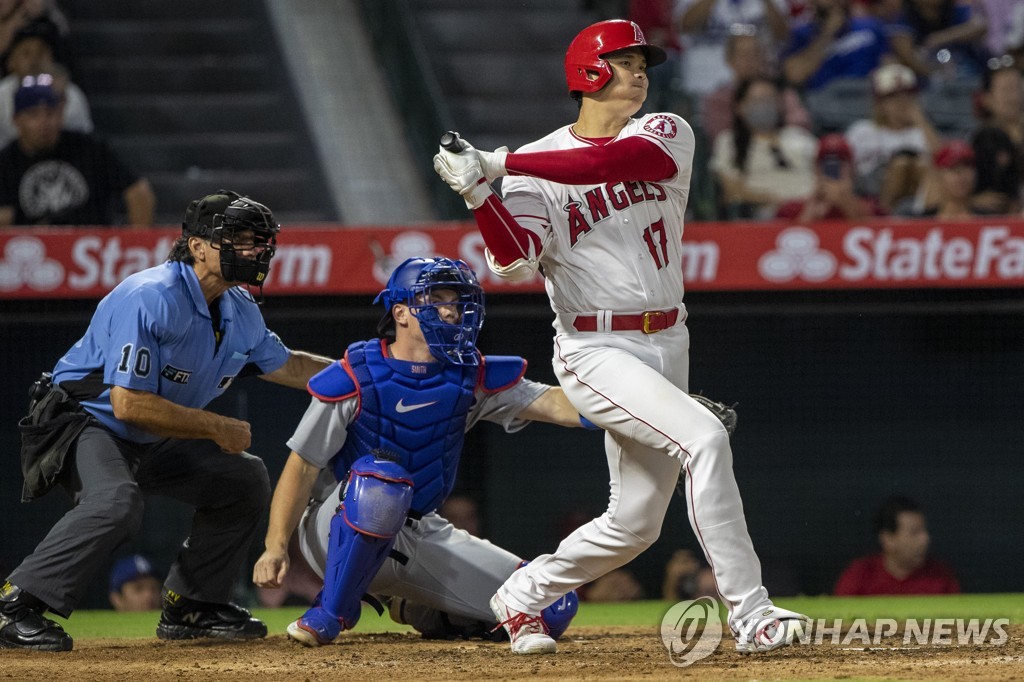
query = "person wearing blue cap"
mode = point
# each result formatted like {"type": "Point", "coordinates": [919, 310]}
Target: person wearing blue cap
{"type": "Point", "coordinates": [134, 585]}
{"type": "Point", "coordinates": [50, 176]}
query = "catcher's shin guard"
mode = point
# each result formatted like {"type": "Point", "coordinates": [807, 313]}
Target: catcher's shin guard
{"type": "Point", "coordinates": [560, 614]}
{"type": "Point", "coordinates": [375, 505]}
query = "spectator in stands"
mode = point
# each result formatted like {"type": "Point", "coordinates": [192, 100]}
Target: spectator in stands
{"type": "Point", "coordinates": [940, 38]}
{"type": "Point", "coordinates": [54, 177]}
{"type": "Point", "coordinates": [999, 143]}
{"type": "Point", "coordinates": [462, 512]}
{"type": "Point", "coordinates": [834, 196]}
{"type": "Point", "coordinates": [891, 150]}
{"type": "Point", "coordinates": [705, 26]}
{"type": "Point", "coordinates": [903, 566]}
{"type": "Point", "coordinates": [833, 46]}
{"type": "Point", "coordinates": [16, 14]}
{"type": "Point", "coordinates": [32, 52]}
{"type": "Point", "coordinates": [687, 577]}
{"type": "Point", "coordinates": [760, 162]}
{"type": "Point", "coordinates": [654, 17]}
{"type": "Point", "coordinates": [953, 178]}
{"type": "Point", "coordinates": [1005, 21]}
{"type": "Point", "coordinates": [134, 585]}
{"type": "Point", "coordinates": [746, 57]}
{"type": "Point", "coordinates": [617, 585]}
{"type": "Point", "coordinates": [885, 11]}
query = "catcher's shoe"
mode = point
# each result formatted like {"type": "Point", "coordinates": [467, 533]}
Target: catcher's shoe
{"type": "Point", "coordinates": [770, 628]}
{"type": "Point", "coordinates": [528, 632]}
{"type": "Point", "coordinates": [316, 627]}
{"type": "Point", "coordinates": [22, 625]}
{"type": "Point", "coordinates": [185, 618]}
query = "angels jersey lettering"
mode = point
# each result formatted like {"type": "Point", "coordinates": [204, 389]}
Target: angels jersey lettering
{"type": "Point", "coordinates": [613, 246]}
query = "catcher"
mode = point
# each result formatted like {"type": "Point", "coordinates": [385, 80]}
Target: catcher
{"type": "Point", "coordinates": [388, 421]}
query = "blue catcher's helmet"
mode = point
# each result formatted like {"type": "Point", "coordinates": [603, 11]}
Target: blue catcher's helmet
{"type": "Point", "coordinates": [412, 282]}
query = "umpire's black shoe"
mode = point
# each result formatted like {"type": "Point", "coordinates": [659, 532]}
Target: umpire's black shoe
{"type": "Point", "coordinates": [22, 625]}
{"type": "Point", "coordinates": [185, 618]}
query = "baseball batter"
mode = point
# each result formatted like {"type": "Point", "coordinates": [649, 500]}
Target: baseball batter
{"type": "Point", "coordinates": [599, 206]}
{"type": "Point", "coordinates": [388, 422]}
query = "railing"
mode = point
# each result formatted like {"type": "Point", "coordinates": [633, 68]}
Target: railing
{"type": "Point", "coordinates": [415, 90]}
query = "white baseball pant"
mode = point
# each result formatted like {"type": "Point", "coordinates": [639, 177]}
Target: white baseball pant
{"type": "Point", "coordinates": [634, 386]}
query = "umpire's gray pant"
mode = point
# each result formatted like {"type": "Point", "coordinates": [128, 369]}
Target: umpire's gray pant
{"type": "Point", "coordinates": [106, 477]}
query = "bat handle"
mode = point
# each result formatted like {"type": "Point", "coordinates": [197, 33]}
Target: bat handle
{"type": "Point", "coordinates": [452, 142]}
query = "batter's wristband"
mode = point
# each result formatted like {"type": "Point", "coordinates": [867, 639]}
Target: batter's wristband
{"type": "Point", "coordinates": [587, 424]}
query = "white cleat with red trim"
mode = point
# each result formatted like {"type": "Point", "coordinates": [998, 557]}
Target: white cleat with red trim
{"type": "Point", "coordinates": [770, 628]}
{"type": "Point", "coordinates": [527, 632]}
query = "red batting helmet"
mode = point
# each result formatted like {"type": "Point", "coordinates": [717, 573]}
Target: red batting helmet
{"type": "Point", "coordinates": [586, 52]}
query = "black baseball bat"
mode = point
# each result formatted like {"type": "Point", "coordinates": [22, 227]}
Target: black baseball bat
{"type": "Point", "coordinates": [452, 142]}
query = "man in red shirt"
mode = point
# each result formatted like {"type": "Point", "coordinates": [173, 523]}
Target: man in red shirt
{"type": "Point", "coordinates": [903, 566]}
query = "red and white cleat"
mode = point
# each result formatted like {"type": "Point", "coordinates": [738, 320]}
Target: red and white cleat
{"type": "Point", "coordinates": [527, 632]}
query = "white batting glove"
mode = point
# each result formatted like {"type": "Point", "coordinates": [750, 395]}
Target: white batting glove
{"type": "Point", "coordinates": [463, 174]}
{"type": "Point", "coordinates": [492, 163]}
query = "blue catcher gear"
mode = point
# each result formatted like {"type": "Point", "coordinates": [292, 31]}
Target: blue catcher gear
{"type": "Point", "coordinates": [414, 282]}
{"type": "Point", "coordinates": [560, 614]}
{"type": "Point", "coordinates": [374, 506]}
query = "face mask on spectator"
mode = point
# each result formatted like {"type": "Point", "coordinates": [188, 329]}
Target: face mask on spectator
{"type": "Point", "coordinates": [762, 116]}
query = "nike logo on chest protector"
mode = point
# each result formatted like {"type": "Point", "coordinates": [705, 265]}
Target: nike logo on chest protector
{"type": "Point", "coordinates": [402, 408]}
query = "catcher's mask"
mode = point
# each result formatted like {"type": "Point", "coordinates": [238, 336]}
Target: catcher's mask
{"type": "Point", "coordinates": [414, 284]}
{"type": "Point", "coordinates": [242, 230]}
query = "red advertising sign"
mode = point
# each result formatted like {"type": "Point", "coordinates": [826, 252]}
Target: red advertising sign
{"type": "Point", "coordinates": [312, 260]}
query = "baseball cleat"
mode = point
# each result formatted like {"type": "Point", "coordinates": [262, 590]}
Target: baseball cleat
{"type": "Point", "coordinates": [770, 628]}
{"type": "Point", "coordinates": [22, 626]}
{"type": "Point", "coordinates": [315, 628]}
{"type": "Point", "coordinates": [527, 632]}
{"type": "Point", "coordinates": [184, 618]}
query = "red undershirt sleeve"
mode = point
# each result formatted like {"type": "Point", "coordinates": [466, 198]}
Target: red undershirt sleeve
{"type": "Point", "coordinates": [506, 239]}
{"type": "Point", "coordinates": [634, 158]}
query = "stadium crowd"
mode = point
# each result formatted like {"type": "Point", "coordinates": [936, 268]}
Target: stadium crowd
{"type": "Point", "coordinates": [915, 88]}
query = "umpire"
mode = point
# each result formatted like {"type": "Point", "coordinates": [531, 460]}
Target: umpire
{"type": "Point", "coordinates": [123, 415]}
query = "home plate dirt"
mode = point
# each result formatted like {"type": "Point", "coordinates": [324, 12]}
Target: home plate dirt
{"type": "Point", "coordinates": [584, 654]}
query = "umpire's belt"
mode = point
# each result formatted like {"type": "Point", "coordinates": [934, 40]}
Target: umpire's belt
{"type": "Point", "coordinates": [648, 322]}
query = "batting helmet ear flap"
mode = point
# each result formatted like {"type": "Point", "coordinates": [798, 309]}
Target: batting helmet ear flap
{"type": "Point", "coordinates": [586, 53]}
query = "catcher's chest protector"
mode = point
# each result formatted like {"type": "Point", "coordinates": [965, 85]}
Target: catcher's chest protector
{"type": "Point", "coordinates": [417, 411]}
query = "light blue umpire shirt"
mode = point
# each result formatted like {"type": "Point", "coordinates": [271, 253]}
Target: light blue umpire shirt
{"type": "Point", "coordinates": [154, 333]}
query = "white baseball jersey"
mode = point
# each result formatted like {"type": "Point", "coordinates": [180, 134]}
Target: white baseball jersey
{"type": "Point", "coordinates": [615, 246]}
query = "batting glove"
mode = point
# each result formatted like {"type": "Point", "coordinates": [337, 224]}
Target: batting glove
{"type": "Point", "coordinates": [492, 163]}
{"type": "Point", "coordinates": [463, 174]}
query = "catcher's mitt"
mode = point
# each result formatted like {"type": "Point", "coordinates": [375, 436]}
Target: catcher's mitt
{"type": "Point", "coordinates": [727, 415]}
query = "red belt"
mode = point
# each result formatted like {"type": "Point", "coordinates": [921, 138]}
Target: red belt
{"type": "Point", "coordinates": [648, 322]}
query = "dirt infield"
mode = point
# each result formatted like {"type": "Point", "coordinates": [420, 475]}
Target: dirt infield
{"type": "Point", "coordinates": [589, 653]}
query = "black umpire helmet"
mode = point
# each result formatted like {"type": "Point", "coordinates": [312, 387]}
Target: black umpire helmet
{"type": "Point", "coordinates": [220, 218]}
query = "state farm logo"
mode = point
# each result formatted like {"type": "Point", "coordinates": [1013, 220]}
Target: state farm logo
{"type": "Point", "coordinates": [25, 264]}
{"type": "Point", "coordinates": [797, 254]}
{"type": "Point", "coordinates": [94, 263]}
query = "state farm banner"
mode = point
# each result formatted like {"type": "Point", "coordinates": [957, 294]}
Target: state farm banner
{"type": "Point", "coordinates": [320, 259]}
